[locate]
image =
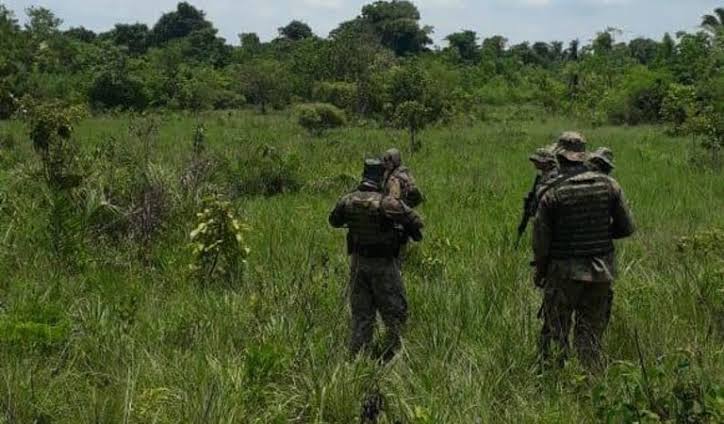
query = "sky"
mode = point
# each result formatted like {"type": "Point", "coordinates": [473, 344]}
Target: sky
{"type": "Point", "coordinates": [517, 20]}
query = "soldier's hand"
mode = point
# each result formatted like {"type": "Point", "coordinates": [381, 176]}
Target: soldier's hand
{"type": "Point", "coordinates": [416, 235]}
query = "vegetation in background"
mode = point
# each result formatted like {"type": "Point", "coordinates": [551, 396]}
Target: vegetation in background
{"type": "Point", "coordinates": [133, 288]}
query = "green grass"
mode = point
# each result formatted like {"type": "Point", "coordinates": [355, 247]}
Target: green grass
{"type": "Point", "coordinates": [122, 339]}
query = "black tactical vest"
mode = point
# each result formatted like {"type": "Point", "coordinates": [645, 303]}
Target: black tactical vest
{"type": "Point", "coordinates": [582, 218]}
{"type": "Point", "coordinates": [371, 233]}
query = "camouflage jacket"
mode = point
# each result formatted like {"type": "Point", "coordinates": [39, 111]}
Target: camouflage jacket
{"type": "Point", "coordinates": [599, 268]}
{"type": "Point", "coordinates": [400, 184]}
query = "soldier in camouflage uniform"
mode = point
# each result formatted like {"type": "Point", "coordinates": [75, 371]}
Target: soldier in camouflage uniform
{"type": "Point", "coordinates": [373, 244]}
{"type": "Point", "coordinates": [578, 218]}
{"type": "Point", "coordinates": [601, 160]}
{"type": "Point", "coordinates": [546, 167]}
{"type": "Point", "coordinates": [398, 180]}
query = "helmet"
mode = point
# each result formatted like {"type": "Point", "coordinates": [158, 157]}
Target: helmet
{"type": "Point", "coordinates": [604, 156]}
{"type": "Point", "coordinates": [372, 173]}
{"type": "Point", "coordinates": [572, 141]}
{"type": "Point", "coordinates": [542, 156]}
{"type": "Point", "coordinates": [392, 158]}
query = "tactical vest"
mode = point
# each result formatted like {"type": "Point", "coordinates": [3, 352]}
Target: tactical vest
{"type": "Point", "coordinates": [582, 219]}
{"type": "Point", "coordinates": [410, 194]}
{"type": "Point", "coordinates": [371, 233]}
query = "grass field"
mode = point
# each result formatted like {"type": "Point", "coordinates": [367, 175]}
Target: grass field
{"type": "Point", "coordinates": [119, 336]}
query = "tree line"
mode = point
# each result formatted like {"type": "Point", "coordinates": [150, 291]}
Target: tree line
{"type": "Point", "coordinates": [379, 65]}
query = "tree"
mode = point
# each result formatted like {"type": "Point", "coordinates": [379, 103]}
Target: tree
{"type": "Point", "coordinates": [556, 49]}
{"type": "Point", "coordinates": [465, 43]}
{"type": "Point", "coordinates": [396, 23]}
{"type": "Point", "coordinates": [644, 50]}
{"type": "Point", "coordinates": [249, 42]}
{"type": "Point", "coordinates": [205, 47]}
{"type": "Point", "coordinates": [134, 37]}
{"type": "Point", "coordinates": [693, 60]}
{"type": "Point", "coordinates": [494, 47]}
{"type": "Point", "coordinates": [413, 116]}
{"type": "Point", "coordinates": [666, 50]}
{"type": "Point", "coordinates": [13, 56]}
{"type": "Point", "coordinates": [264, 82]}
{"type": "Point", "coordinates": [413, 102]}
{"type": "Point", "coordinates": [295, 31]}
{"type": "Point", "coordinates": [42, 23]}
{"type": "Point", "coordinates": [523, 53]}
{"type": "Point", "coordinates": [714, 24]}
{"type": "Point", "coordinates": [603, 43]}
{"type": "Point", "coordinates": [542, 52]}
{"type": "Point", "coordinates": [179, 23]}
{"type": "Point", "coordinates": [114, 86]}
{"type": "Point", "coordinates": [572, 52]}
{"type": "Point", "coordinates": [81, 34]}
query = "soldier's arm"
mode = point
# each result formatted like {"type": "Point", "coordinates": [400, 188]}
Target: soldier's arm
{"type": "Point", "coordinates": [622, 224]}
{"type": "Point", "coordinates": [401, 214]}
{"type": "Point", "coordinates": [543, 232]}
{"type": "Point", "coordinates": [394, 187]}
{"type": "Point", "coordinates": [337, 217]}
{"type": "Point", "coordinates": [413, 197]}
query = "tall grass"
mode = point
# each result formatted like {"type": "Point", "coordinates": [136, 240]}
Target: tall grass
{"type": "Point", "coordinates": [122, 339]}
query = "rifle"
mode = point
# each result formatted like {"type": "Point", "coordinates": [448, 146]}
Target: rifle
{"type": "Point", "coordinates": [530, 204]}
{"type": "Point", "coordinates": [530, 207]}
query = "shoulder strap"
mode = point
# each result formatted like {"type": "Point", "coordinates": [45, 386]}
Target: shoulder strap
{"type": "Point", "coordinates": [560, 180]}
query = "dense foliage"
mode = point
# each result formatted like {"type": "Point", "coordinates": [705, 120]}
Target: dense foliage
{"type": "Point", "coordinates": [180, 62]}
{"type": "Point", "coordinates": [166, 266]}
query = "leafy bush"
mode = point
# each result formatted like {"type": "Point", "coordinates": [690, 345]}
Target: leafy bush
{"type": "Point", "coordinates": [113, 90]}
{"type": "Point", "coordinates": [218, 246]}
{"type": "Point", "coordinates": [638, 98]}
{"type": "Point", "coordinates": [678, 106]}
{"type": "Point", "coordinates": [340, 94]}
{"type": "Point", "coordinates": [318, 117]}
{"type": "Point", "coordinates": [268, 172]}
{"type": "Point", "coordinates": [673, 390]}
{"type": "Point", "coordinates": [203, 88]}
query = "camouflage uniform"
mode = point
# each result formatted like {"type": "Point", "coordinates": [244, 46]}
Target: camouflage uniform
{"type": "Point", "coordinates": [577, 221]}
{"type": "Point", "coordinates": [545, 163]}
{"type": "Point", "coordinates": [569, 140]}
{"type": "Point", "coordinates": [601, 160]}
{"type": "Point", "coordinates": [375, 281]}
{"type": "Point", "coordinates": [399, 182]}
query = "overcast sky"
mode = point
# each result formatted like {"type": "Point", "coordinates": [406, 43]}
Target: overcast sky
{"type": "Point", "coordinates": [518, 20]}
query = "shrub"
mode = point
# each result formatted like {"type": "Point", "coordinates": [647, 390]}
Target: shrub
{"type": "Point", "coordinates": [340, 94]}
{"type": "Point", "coordinates": [110, 90]}
{"type": "Point", "coordinates": [217, 242]}
{"type": "Point", "coordinates": [318, 117]}
{"type": "Point", "coordinates": [268, 172]}
{"type": "Point", "coordinates": [678, 106]}
{"type": "Point", "coordinates": [638, 99]}
{"type": "Point", "coordinates": [203, 88]}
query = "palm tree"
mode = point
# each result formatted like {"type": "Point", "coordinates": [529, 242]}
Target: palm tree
{"type": "Point", "coordinates": [714, 23]}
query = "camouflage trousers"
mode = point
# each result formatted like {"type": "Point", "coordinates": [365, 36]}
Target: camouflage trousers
{"type": "Point", "coordinates": [376, 286]}
{"type": "Point", "coordinates": [590, 304]}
